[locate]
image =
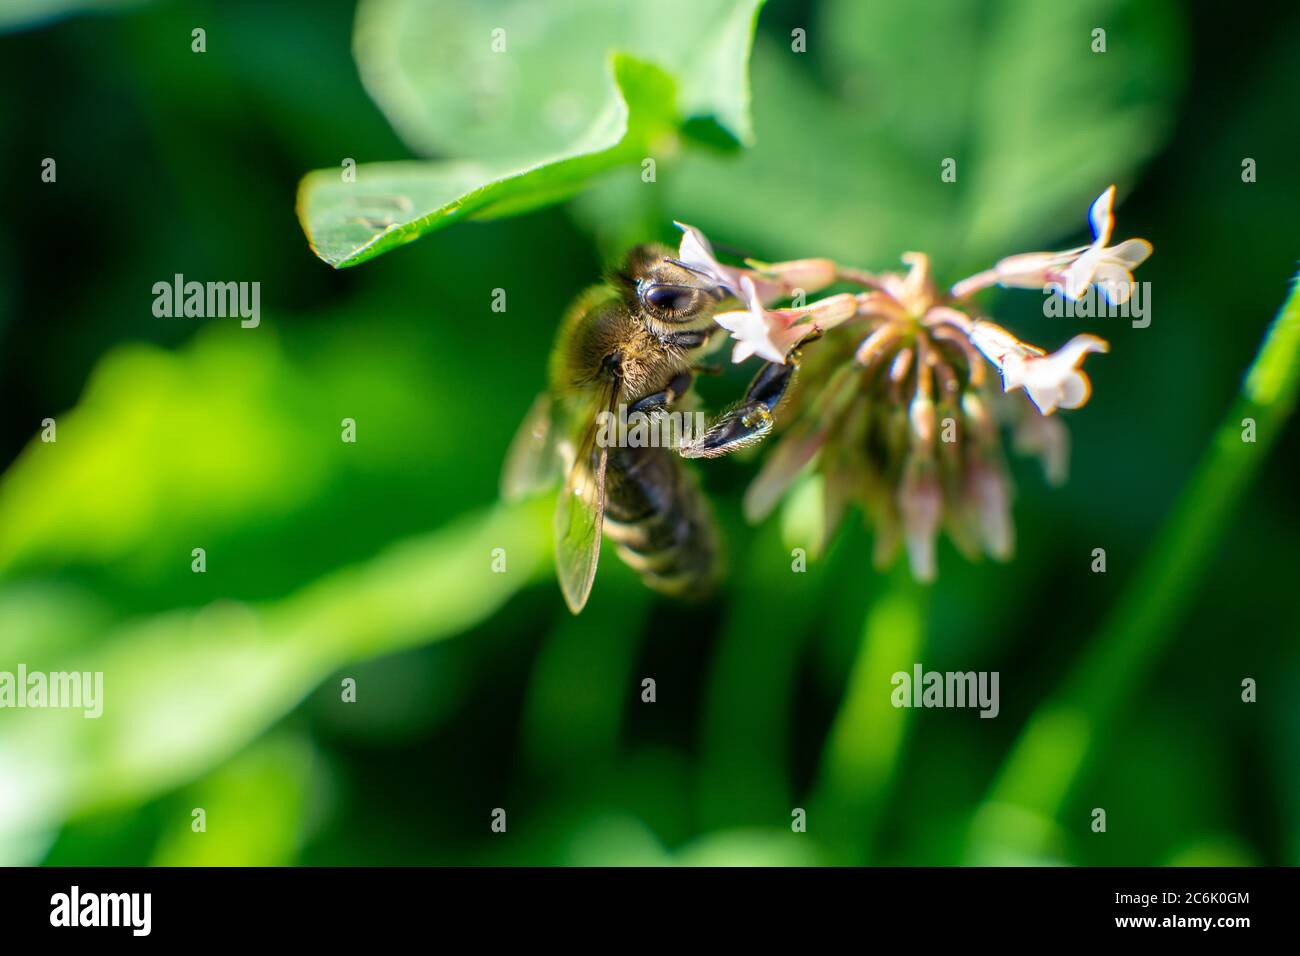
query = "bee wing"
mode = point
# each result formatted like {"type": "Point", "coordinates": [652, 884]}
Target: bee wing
{"type": "Point", "coordinates": [580, 512]}
{"type": "Point", "coordinates": [533, 461]}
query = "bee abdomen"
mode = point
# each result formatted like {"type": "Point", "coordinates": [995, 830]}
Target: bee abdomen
{"type": "Point", "coordinates": [660, 522]}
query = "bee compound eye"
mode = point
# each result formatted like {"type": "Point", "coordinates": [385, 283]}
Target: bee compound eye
{"type": "Point", "coordinates": [668, 298]}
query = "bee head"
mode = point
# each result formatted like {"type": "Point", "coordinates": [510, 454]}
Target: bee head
{"type": "Point", "coordinates": [661, 289]}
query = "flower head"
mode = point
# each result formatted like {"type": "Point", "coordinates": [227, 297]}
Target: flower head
{"type": "Point", "coordinates": [895, 406]}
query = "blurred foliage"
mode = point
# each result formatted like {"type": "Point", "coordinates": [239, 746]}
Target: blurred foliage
{"type": "Point", "coordinates": [527, 127]}
{"type": "Point", "coordinates": [328, 560]}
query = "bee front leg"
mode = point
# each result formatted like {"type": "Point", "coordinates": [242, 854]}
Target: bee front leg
{"type": "Point", "coordinates": [657, 401]}
{"type": "Point", "coordinates": [748, 421]}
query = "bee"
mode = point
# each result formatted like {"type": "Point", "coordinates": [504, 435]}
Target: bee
{"type": "Point", "coordinates": [634, 343]}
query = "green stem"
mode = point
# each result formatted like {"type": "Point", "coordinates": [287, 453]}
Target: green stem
{"type": "Point", "coordinates": [867, 735]}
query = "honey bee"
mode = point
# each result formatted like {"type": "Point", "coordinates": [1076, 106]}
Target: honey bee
{"type": "Point", "coordinates": [634, 344]}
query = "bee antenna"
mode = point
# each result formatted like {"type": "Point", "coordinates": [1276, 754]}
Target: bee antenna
{"type": "Point", "coordinates": [714, 289]}
{"type": "Point", "coordinates": [688, 268]}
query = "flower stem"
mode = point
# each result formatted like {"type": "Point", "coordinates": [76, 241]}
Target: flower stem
{"type": "Point", "coordinates": [868, 732]}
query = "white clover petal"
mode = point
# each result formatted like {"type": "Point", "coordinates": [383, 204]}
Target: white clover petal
{"type": "Point", "coordinates": [1054, 381]}
{"type": "Point", "coordinates": [1081, 272]}
{"type": "Point", "coordinates": [1115, 282]}
{"type": "Point", "coordinates": [1130, 253]}
{"type": "Point", "coordinates": [695, 252]}
{"type": "Point", "coordinates": [755, 331]}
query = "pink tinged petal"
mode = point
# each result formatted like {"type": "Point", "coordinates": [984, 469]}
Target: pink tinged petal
{"type": "Point", "coordinates": [917, 283]}
{"type": "Point", "coordinates": [972, 284]}
{"type": "Point", "coordinates": [1102, 218]}
{"type": "Point", "coordinates": [920, 504]}
{"type": "Point", "coordinates": [833, 311]}
{"type": "Point", "coordinates": [991, 496]}
{"type": "Point", "coordinates": [1026, 271]}
{"type": "Point", "coordinates": [824, 314]}
{"type": "Point", "coordinates": [1047, 438]}
{"type": "Point", "coordinates": [768, 290]}
{"type": "Point", "coordinates": [1033, 270]}
{"type": "Point", "coordinates": [875, 345]}
{"type": "Point", "coordinates": [879, 305]}
{"type": "Point", "coordinates": [901, 365]}
{"type": "Point", "coordinates": [999, 346]}
{"type": "Point", "coordinates": [780, 469]}
{"type": "Point", "coordinates": [809, 275]}
{"type": "Point", "coordinates": [921, 415]}
{"type": "Point", "coordinates": [944, 315]}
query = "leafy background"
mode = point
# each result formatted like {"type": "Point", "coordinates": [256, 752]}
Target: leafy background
{"type": "Point", "coordinates": [372, 561]}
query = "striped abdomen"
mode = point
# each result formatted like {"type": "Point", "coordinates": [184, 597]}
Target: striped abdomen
{"type": "Point", "coordinates": [661, 523]}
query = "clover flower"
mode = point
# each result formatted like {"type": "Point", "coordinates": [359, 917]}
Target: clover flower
{"type": "Point", "coordinates": [1074, 270]}
{"type": "Point", "coordinates": [895, 407]}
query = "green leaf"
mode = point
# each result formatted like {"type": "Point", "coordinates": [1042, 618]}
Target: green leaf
{"type": "Point", "coordinates": [253, 806]}
{"type": "Point", "coordinates": [391, 204]}
{"type": "Point", "coordinates": [524, 125]}
{"type": "Point", "coordinates": [222, 674]}
{"type": "Point", "coordinates": [163, 440]}
{"type": "Point", "coordinates": [1057, 741]}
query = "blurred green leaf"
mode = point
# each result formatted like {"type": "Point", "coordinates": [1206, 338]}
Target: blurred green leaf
{"type": "Point", "coordinates": [523, 126]}
{"type": "Point", "coordinates": [255, 809]}
{"type": "Point", "coordinates": [582, 682]}
{"type": "Point", "coordinates": [752, 847]}
{"type": "Point", "coordinates": [160, 440]}
{"type": "Point", "coordinates": [224, 673]}
{"type": "Point", "coordinates": [745, 750]}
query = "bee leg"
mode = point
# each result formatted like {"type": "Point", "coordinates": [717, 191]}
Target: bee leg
{"type": "Point", "coordinates": [657, 401]}
{"type": "Point", "coordinates": [748, 421]}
